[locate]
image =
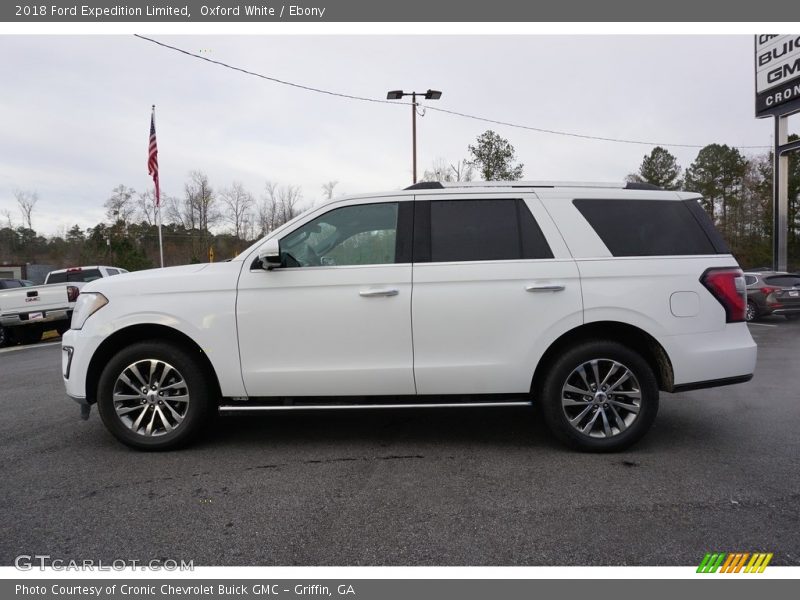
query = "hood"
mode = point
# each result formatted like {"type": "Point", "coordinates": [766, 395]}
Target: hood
{"type": "Point", "coordinates": [182, 279]}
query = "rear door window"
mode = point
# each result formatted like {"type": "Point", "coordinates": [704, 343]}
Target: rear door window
{"type": "Point", "coordinates": [484, 230]}
{"type": "Point", "coordinates": [652, 227]}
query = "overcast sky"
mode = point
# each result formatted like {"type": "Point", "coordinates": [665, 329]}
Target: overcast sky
{"type": "Point", "coordinates": [76, 109]}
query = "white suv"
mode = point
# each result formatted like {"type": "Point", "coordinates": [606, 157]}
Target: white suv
{"type": "Point", "coordinates": [586, 299]}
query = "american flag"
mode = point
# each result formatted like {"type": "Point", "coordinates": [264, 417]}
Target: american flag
{"type": "Point", "coordinates": [152, 156]}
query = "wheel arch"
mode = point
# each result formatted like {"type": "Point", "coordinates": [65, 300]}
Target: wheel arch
{"type": "Point", "coordinates": [137, 333]}
{"type": "Point", "coordinates": [635, 338]}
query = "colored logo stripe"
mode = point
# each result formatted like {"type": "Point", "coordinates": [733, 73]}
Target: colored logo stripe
{"type": "Point", "coordinates": [734, 562]}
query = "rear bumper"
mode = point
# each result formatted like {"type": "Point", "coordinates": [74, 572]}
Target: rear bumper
{"type": "Point", "coordinates": [711, 358]}
{"type": "Point", "coordinates": [786, 310]}
{"type": "Point", "coordinates": [16, 320]}
{"type": "Point", "coordinates": [700, 385]}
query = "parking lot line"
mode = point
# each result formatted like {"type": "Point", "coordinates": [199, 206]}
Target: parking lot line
{"type": "Point", "coordinates": [16, 348]}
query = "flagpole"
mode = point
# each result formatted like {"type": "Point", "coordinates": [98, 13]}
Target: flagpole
{"type": "Point", "coordinates": [160, 241]}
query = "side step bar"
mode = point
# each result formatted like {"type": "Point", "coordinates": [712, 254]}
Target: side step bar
{"type": "Point", "coordinates": [244, 408]}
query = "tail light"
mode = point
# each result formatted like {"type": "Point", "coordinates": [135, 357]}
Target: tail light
{"type": "Point", "coordinates": [728, 287]}
{"type": "Point", "coordinates": [72, 293]}
{"type": "Point", "coordinates": [767, 290]}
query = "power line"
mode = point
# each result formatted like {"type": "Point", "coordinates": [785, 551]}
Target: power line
{"type": "Point", "coordinates": [428, 107]}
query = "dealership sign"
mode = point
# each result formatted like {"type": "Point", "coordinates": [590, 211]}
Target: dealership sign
{"type": "Point", "coordinates": [777, 74]}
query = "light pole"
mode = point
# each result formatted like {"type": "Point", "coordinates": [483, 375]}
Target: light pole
{"type": "Point", "coordinates": [429, 95]}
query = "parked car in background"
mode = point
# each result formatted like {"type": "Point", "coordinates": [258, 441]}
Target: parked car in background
{"type": "Point", "coordinates": [7, 284]}
{"type": "Point", "coordinates": [82, 274]}
{"type": "Point", "coordinates": [27, 311]}
{"type": "Point", "coordinates": [772, 293]}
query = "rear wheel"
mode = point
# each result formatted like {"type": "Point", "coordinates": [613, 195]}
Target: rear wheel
{"type": "Point", "coordinates": [599, 396]}
{"type": "Point", "coordinates": [154, 395]}
{"type": "Point", "coordinates": [5, 337]}
{"type": "Point", "coordinates": [752, 312]}
{"type": "Point", "coordinates": [792, 317]}
{"type": "Point", "coordinates": [28, 334]}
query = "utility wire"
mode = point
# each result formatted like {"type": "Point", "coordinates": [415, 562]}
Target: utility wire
{"type": "Point", "coordinates": [427, 106]}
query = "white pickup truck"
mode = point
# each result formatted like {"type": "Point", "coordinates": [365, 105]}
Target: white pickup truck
{"type": "Point", "coordinates": [27, 312]}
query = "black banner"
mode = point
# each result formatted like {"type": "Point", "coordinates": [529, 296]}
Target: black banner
{"type": "Point", "coordinates": [730, 588]}
{"type": "Point", "coordinates": [407, 11]}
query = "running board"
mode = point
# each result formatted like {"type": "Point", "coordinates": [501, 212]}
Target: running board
{"type": "Point", "coordinates": [244, 408]}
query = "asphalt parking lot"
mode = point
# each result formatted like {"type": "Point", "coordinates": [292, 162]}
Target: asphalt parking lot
{"type": "Point", "coordinates": [720, 470]}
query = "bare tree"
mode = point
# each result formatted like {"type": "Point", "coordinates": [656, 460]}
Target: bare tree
{"type": "Point", "coordinates": [202, 201]}
{"type": "Point", "coordinates": [7, 215]}
{"type": "Point", "coordinates": [27, 202]}
{"type": "Point", "coordinates": [146, 209]}
{"type": "Point", "coordinates": [327, 189]}
{"type": "Point", "coordinates": [120, 206]}
{"type": "Point", "coordinates": [289, 199]}
{"type": "Point", "coordinates": [462, 170]}
{"type": "Point", "coordinates": [238, 202]}
{"type": "Point", "coordinates": [441, 170]}
{"type": "Point", "coordinates": [278, 205]}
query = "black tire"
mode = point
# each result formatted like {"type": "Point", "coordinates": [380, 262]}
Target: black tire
{"type": "Point", "coordinates": [751, 313]}
{"type": "Point", "coordinates": [5, 337]}
{"type": "Point", "coordinates": [28, 334]}
{"type": "Point", "coordinates": [563, 370]}
{"type": "Point", "coordinates": [190, 371]}
{"type": "Point", "coordinates": [792, 317]}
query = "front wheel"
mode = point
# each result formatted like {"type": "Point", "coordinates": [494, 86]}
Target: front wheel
{"type": "Point", "coordinates": [154, 395]}
{"type": "Point", "coordinates": [599, 396]}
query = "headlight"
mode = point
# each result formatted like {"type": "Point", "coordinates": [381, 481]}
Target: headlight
{"type": "Point", "coordinates": [87, 304]}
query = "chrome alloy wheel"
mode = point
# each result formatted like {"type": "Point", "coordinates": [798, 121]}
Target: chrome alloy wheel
{"type": "Point", "coordinates": [751, 312]}
{"type": "Point", "coordinates": [151, 397]}
{"type": "Point", "coordinates": [601, 398]}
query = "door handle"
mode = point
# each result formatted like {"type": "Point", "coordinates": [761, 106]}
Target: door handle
{"type": "Point", "coordinates": [544, 287]}
{"type": "Point", "coordinates": [374, 293]}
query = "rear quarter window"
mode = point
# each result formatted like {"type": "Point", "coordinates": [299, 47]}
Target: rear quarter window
{"type": "Point", "coordinates": [652, 227]}
{"type": "Point", "coordinates": [783, 280]}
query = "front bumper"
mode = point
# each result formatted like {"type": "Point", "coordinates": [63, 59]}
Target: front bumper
{"type": "Point", "coordinates": [77, 347]}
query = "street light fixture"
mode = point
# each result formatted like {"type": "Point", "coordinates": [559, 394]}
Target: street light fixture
{"type": "Point", "coordinates": [429, 95]}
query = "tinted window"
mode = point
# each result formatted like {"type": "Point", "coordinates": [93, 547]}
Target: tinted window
{"type": "Point", "coordinates": [783, 280]}
{"type": "Point", "coordinates": [85, 275]}
{"type": "Point", "coordinates": [112, 272]}
{"type": "Point", "coordinates": [750, 279]}
{"type": "Point", "coordinates": [364, 234]}
{"type": "Point", "coordinates": [647, 227]}
{"type": "Point", "coordinates": [10, 283]}
{"type": "Point", "coordinates": [474, 230]}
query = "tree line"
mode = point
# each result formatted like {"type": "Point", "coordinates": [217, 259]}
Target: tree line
{"type": "Point", "coordinates": [206, 219]}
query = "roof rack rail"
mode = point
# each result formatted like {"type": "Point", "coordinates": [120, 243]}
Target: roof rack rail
{"type": "Point", "coordinates": [439, 185]}
{"type": "Point", "coordinates": [426, 185]}
{"type": "Point", "coordinates": [642, 185]}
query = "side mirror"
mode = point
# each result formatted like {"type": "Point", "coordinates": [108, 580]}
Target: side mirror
{"type": "Point", "coordinates": [270, 255]}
